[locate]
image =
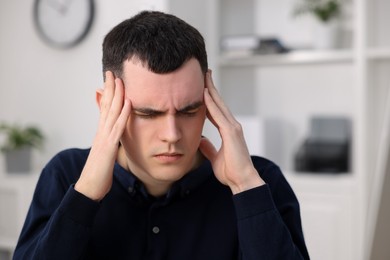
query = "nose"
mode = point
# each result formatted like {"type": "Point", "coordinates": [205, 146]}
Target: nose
{"type": "Point", "coordinates": [170, 131]}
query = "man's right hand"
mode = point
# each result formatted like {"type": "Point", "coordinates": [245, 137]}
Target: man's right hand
{"type": "Point", "coordinates": [96, 178]}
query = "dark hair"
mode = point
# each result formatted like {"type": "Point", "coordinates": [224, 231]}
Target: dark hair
{"type": "Point", "coordinates": [161, 41]}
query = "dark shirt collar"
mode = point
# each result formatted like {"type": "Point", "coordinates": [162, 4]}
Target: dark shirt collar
{"type": "Point", "coordinates": [183, 187]}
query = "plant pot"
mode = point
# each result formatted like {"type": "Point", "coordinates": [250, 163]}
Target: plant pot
{"type": "Point", "coordinates": [18, 161]}
{"type": "Point", "coordinates": [325, 35]}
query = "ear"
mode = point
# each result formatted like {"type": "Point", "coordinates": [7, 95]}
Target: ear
{"type": "Point", "coordinates": [99, 96]}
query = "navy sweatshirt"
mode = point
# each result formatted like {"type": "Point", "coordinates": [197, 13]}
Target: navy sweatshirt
{"type": "Point", "coordinates": [199, 218]}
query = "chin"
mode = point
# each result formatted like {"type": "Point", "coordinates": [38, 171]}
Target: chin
{"type": "Point", "coordinates": [169, 173]}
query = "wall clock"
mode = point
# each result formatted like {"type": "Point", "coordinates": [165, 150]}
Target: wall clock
{"type": "Point", "coordinates": [63, 23]}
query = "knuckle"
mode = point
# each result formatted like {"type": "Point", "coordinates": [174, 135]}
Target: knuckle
{"type": "Point", "coordinates": [236, 128]}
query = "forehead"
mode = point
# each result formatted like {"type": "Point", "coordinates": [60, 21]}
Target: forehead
{"type": "Point", "coordinates": [178, 88]}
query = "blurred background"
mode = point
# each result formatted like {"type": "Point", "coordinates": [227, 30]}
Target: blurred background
{"type": "Point", "coordinates": [308, 80]}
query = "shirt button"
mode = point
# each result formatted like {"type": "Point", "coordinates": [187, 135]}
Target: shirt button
{"type": "Point", "coordinates": [131, 190]}
{"type": "Point", "coordinates": [155, 230]}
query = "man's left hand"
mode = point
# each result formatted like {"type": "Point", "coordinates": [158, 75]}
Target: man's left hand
{"type": "Point", "coordinates": [232, 164]}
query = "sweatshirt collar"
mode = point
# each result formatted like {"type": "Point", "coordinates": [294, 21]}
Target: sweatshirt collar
{"type": "Point", "coordinates": [183, 187]}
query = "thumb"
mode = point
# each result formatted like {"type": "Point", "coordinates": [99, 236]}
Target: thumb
{"type": "Point", "coordinates": [207, 149]}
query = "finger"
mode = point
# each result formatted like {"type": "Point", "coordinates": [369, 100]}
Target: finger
{"type": "Point", "coordinates": [108, 94]}
{"type": "Point", "coordinates": [211, 119]}
{"type": "Point", "coordinates": [109, 85]}
{"type": "Point", "coordinates": [214, 114]}
{"type": "Point", "coordinates": [124, 116]}
{"type": "Point", "coordinates": [116, 104]}
{"type": "Point", "coordinates": [227, 130]}
{"type": "Point", "coordinates": [207, 149]}
{"type": "Point", "coordinates": [217, 98]}
{"type": "Point", "coordinates": [208, 100]}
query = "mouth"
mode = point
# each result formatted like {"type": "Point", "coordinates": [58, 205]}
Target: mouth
{"type": "Point", "coordinates": [168, 157]}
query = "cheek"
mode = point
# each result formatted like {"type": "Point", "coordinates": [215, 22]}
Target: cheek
{"type": "Point", "coordinates": [138, 128]}
{"type": "Point", "coordinates": [135, 133]}
{"type": "Point", "coordinates": [201, 119]}
{"type": "Point", "coordinates": [194, 128]}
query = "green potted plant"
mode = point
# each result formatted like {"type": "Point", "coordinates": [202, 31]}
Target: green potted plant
{"type": "Point", "coordinates": [326, 14]}
{"type": "Point", "coordinates": [18, 144]}
{"type": "Point", "coordinates": [323, 10]}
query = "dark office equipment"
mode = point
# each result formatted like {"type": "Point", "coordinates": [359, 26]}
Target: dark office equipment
{"type": "Point", "coordinates": [327, 148]}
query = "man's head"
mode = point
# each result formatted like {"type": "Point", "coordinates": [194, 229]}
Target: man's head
{"type": "Point", "coordinates": [162, 63]}
{"type": "Point", "coordinates": [162, 42]}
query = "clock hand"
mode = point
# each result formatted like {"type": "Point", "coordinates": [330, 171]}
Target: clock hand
{"type": "Point", "coordinates": [58, 6]}
{"type": "Point", "coordinates": [65, 6]}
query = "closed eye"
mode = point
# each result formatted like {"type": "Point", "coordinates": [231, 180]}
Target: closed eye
{"type": "Point", "coordinates": [145, 116]}
{"type": "Point", "coordinates": [150, 113]}
{"type": "Point", "coordinates": [192, 109]}
{"type": "Point", "coordinates": [189, 113]}
{"type": "Point", "coordinates": [147, 113]}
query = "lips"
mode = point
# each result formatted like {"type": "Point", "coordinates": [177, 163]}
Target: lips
{"type": "Point", "coordinates": [168, 157]}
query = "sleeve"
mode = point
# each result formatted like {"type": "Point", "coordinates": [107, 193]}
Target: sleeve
{"type": "Point", "coordinates": [269, 222]}
{"type": "Point", "coordinates": [56, 214]}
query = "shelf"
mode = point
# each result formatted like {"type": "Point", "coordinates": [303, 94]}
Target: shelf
{"type": "Point", "coordinates": [291, 58]}
{"type": "Point", "coordinates": [378, 54]}
{"type": "Point", "coordinates": [339, 177]}
{"type": "Point", "coordinates": [320, 183]}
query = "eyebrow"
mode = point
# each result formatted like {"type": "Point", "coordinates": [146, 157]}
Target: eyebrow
{"type": "Point", "coordinates": [191, 106]}
{"type": "Point", "coordinates": [151, 111]}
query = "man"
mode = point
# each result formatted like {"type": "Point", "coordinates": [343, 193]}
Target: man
{"type": "Point", "coordinates": [151, 187]}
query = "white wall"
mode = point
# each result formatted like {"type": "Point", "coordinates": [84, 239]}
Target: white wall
{"type": "Point", "coordinates": [53, 88]}
{"type": "Point", "coordinates": [56, 88]}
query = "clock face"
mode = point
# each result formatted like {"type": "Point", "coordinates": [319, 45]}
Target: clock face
{"type": "Point", "coordinates": [63, 23]}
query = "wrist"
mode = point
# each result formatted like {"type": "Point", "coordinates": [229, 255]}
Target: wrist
{"type": "Point", "coordinates": [252, 181]}
{"type": "Point", "coordinates": [88, 190]}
